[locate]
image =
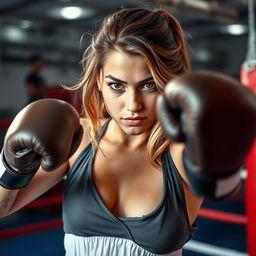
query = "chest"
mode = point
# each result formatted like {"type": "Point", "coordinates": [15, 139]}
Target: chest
{"type": "Point", "coordinates": [127, 183]}
{"type": "Point", "coordinates": [128, 188]}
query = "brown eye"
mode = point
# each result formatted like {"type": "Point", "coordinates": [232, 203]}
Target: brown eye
{"type": "Point", "coordinates": [149, 86]}
{"type": "Point", "coordinates": [116, 86]}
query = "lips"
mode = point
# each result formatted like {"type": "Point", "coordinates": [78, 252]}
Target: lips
{"type": "Point", "coordinates": [134, 121]}
{"type": "Point", "coordinates": [134, 118]}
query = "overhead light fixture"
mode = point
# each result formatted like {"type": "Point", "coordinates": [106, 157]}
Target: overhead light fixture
{"type": "Point", "coordinates": [71, 12]}
{"type": "Point", "coordinates": [236, 29]}
{"type": "Point", "coordinates": [13, 33]}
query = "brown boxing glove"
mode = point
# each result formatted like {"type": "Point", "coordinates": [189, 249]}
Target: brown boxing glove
{"type": "Point", "coordinates": [215, 116]}
{"type": "Point", "coordinates": [46, 132]}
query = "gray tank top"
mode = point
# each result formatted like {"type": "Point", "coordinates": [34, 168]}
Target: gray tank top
{"type": "Point", "coordinates": [164, 230]}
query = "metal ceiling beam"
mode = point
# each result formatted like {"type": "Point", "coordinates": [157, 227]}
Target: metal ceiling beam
{"type": "Point", "coordinates": [21, 5]}
{"type": "Point", "coordinates": [210, 9]}
{"type": "Point", "coordinates": [13, 11]}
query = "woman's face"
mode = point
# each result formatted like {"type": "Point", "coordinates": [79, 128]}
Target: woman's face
{"type": "Point", "coordinates": [129, 92]}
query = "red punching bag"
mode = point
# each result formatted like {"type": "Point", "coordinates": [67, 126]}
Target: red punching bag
{"type": "Point", "coordinates": [248, 78]}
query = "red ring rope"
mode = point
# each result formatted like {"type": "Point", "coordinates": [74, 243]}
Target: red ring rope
{"type": "Point", "coordinates": [223, 216]}
{"type": "Point", "coordinates": [8, 233]}
{"type": "Point", "coordinates": [48, 201]}
{"type": "Point", "coordinates": [5, 123]}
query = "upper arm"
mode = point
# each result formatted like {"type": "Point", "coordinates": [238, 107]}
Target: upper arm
{"type": "Point", "coordinates": [85, 139]}
{"type": "Point", "coordinates": [193, 202]}
{"type": "Point", "coordinates": [176, 150]}
{"type": "Point", "coordinates": [83, 143]}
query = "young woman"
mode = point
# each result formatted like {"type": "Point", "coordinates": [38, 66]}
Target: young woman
{"type": "Point", "coordinates": [126, 191]}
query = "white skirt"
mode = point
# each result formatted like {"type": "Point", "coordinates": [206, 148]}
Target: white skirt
{"type": "Point", "coordinates": [106, 246]}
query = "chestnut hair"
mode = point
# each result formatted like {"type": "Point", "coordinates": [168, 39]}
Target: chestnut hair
{"type": "Point", "coordinates": [155, 35]}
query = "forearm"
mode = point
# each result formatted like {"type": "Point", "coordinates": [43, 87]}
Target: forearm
{"type": "Point", "coordinates": [10, 185]}
{"type": "Point", "coordinates": [7, 199]}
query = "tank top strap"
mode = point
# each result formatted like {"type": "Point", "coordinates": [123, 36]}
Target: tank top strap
{"type": "Point", "coordinates": [103, 129]}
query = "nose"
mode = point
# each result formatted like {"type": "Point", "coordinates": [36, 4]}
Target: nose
{"type": "Point", "coordinates": [133, 101]}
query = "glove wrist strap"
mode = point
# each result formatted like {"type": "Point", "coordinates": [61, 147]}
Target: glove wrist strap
{"type": "Point", "coordinates": [210, 186]}
{"type": "Point", "coordinates": [11, 179]}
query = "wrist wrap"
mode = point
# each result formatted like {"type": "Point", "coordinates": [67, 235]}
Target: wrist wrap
{"type": "Point", "coordinates": [11, 179]}
{"type": "Point", "coordinates": [209, 186]}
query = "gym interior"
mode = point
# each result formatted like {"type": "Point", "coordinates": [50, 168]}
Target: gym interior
{"type": "Point", "coordinates": [220, 34]}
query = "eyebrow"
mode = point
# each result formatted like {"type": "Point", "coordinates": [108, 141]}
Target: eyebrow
{"type": "Point", "coordinates": [124, 82]}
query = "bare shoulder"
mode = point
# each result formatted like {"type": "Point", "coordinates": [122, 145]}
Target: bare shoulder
{"type": "Point", "coordinates": [193, 202]}
{"type": "Point", "coordinates": [176, 150]}
{"type": "Point", "coordinates": [86, 139]}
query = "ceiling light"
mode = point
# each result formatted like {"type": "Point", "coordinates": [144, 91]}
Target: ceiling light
{"type": "Point", "coordinates": [236, 29]}
{"type": "Point", "coordinates": [71, 12]}
{"type": "Point", "coordinates": [13, 33]}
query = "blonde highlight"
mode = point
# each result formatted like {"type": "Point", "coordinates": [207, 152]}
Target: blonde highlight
{"type": "Point", "coordinates": [162, 45]}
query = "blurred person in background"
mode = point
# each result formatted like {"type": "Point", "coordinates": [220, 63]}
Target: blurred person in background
{"type": "Point", "coordinates": [34, 81]}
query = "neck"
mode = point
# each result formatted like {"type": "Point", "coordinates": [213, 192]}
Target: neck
{"type": "Point", "coordinates": [121, 139]}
